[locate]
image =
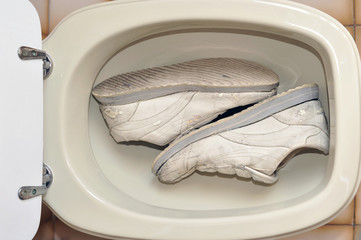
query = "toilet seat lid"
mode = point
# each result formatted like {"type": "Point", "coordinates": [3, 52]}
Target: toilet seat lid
{"type": "Point", "coordinates": [21, 118]}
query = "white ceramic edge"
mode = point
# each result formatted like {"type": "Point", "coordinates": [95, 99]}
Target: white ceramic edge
{"type": "Point", "coordinates": [289, 19]}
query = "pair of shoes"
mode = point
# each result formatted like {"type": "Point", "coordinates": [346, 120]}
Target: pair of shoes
{"type": "Point", "coordinates": [175, 104]}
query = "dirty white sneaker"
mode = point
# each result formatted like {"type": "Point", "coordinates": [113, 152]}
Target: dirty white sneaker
{"type": "Point", "coordinates": [251, 144]}
{"type": "Point", "coordinates": [158, 104]}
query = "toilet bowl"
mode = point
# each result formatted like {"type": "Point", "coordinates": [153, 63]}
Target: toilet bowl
{"type": "Point", "coordinates": [107, 189]}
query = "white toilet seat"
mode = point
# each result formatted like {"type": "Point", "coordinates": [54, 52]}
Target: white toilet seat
{"type": "Point", "coordinates": [84, 42]}
{"type": "Point", "coordinates": [21, 138]}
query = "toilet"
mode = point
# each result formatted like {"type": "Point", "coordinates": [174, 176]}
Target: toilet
{"type": "Point", "coordinates": [56, 148]}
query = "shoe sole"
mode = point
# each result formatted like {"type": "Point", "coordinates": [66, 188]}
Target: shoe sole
{"type": "Point", "coordinates": [223, 75]}
{"type": "Point", "coordinates": [252, 114]}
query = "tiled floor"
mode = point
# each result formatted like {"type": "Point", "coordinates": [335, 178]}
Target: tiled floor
{"type": "Point", "coordinates": [347, 226]}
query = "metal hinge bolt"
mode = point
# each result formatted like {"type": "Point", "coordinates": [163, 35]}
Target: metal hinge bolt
{"type": "Point", "coordinates": [28, 53]}
{"type": "Point", "coordinates": [27, 192]}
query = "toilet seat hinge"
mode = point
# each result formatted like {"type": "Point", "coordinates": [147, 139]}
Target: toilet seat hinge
{"type": "Point", "coordinates": [27, 192]}
{"type": "Point", "coordinates": [28, 53]}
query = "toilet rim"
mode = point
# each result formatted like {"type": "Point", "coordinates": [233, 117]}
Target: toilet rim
{"type": "Point", "coordinates": [65, 98]}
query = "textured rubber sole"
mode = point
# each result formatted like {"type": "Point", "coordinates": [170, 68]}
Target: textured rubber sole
{"type": "Point", "coordinates": [224, 75]}
{"type": "Point", "coordinates": [252, 114]}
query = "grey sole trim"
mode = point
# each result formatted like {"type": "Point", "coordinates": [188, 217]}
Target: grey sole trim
{"type": "Point", "coordinates": [159, 92]}
{"type": "Point", "coordinates": [253, 114]}
{"type": "Point", "coordinates": [224, 75]}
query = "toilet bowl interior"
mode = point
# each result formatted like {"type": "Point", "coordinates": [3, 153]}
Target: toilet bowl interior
{"type": "Point", "coordinates": [128, 165]}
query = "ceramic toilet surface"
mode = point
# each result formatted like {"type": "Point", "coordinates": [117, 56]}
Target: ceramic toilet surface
{"type": "Point", "coordinates": [108, 189]}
